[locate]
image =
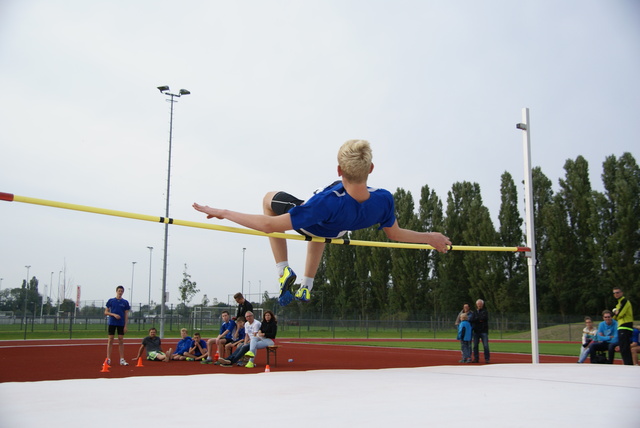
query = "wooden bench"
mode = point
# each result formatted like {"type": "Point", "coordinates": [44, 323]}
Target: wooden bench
{"type": "Point", "coordinates": [273, 349]}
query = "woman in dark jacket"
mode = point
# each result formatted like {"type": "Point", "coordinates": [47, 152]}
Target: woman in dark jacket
{"type": "Point", "coordinates": [266, 336]}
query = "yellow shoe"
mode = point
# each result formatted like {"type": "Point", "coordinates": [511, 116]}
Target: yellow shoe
{"type": "Point", "coordinates": [303, 294]}
{"type": "Point", "coordinates": [249, 365]}
{"type": "Point", "coordinates": [287, 279]}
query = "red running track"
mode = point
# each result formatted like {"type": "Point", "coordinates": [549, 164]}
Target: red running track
{"type": "Point", "coordinates": [37, 360]}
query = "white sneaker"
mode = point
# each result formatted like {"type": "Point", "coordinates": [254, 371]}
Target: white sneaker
{"type": "Point", "coordinates": [123, 362]}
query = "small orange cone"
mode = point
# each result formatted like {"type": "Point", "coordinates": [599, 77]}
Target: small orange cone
{"type": "Point", "coordinates": [105, 367]}
{"type": "Point", "coordinates": [216, 356]}
{"type": "Point", "coordinates": [267, 369]}
{"type": "Point", "coordinates": [139, 362]}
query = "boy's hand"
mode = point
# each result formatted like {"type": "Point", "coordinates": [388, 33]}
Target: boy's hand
{"type": "Point", "coordinates": [439, 242]}
{"type": "Point", "coordinates": [210, 212]}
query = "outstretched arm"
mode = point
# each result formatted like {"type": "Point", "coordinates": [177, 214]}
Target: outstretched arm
{"type": "Point", "coordinates": [261, 222]}
{"type": "Point", "coordinates": [435, 239]}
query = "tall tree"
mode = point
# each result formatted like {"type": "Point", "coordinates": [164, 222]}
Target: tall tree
{"type": "Point", "coordinates": [542, 198]}
{"type": "Point", "coordinates": [578, 200]}
{"type": "Point", "coordinates": [431, 219]}
{"type": "Point", "coordinates": [187, 288]}
{"type": "Point", "coordinates": [453, 275]}
{"type": "Point", "coordinates": [512, 291]}
{"type": "Point", "coordinates": [403, 262]}
{"type": "Point", "coordinates": [619, 221]}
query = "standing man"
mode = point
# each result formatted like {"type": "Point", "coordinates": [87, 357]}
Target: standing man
{"type": "Point", "coordinates": [480, 326]}
{"type": "Point", "coordinates": [243, 305]}
{"type": "Point", "coordinates": [623, 313]}
{"type": "Point", "coordinates": [117, 309]}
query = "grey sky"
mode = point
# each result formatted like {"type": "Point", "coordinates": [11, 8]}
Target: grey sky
{"type": "Point", "coordinates": [277, 86]}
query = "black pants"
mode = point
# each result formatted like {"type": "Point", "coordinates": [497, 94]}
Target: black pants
{"type": "Point", "coordinates": [603, 346]}
{"type": "Point", "coordinates": [624, 340]}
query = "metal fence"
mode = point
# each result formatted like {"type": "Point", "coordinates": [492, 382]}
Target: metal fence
{"type": "Point", "coordinates": [208, 322]}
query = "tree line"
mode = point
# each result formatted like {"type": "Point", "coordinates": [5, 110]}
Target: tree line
{"type": "Point", "coordinates": [586, 242]}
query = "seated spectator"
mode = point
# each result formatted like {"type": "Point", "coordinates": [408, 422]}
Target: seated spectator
{"type": "Point", "coordinates": [153, 347]}
{"type": "Point", "coordinates": [251, 328]}
{"type": "Point", "coordinates": [198, 349]}
{"type": "Point", "coordinates": [237, 338]}
{"type": "Point", "coordinates": [606, 337]}
{"type": "Point", "coordinates": [266, 336]}
{"type": "Point", "coordinates": [183, 346]}
{"type": "Point", "coordinates": [589, 333]}
{"type": "Point", "coordinates": [225, 336]}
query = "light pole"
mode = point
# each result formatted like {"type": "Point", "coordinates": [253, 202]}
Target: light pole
{"type": "Point", "coordinates": [242, 287]}
{"type": "Point", "coordinates": [58, 313]}
{"type": "Point", "coordinates": [165, 90]}
{"type": "Point", "coordinates": [26, 290]}
{"type": "Point", "coordinates": [133, 268]}
{"type": "Point", "coordinates": [50, 288]}
{"type": "Point", "coordinates": [150, 258]}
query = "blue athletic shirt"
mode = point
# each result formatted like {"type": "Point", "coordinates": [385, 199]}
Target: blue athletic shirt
{"type": "Point", "coordinates": [230, 326]}
{"type": "Point", "coordinates": [117, 306]}
{"type": "Point", "coordinates": [332, 212]}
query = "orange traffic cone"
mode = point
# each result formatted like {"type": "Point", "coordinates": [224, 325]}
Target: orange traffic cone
{"type": "Point", "coordinates": [139, 362]}
{"type": "Point", "coordinates": [105, 367]}
{"type": "Point", "coordinates": [216, 356]}
{"type": "Point", "coordinates": [267, 369]}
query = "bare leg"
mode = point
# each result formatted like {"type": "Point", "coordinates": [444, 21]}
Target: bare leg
{"type": "Point", "coordinates": [221, 343]}
{"type": "Point", "coordinates": [314, 255]}
{"type": "Point", "coordinates": [278, 246]}
{"type": "Point", "coordinates": [121, 346]}
{"type": "Point", "coordinates": [109, 345]}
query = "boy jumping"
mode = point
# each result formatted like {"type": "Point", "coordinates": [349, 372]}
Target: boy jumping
{"type": "Point", "coordinates": [343, 206]}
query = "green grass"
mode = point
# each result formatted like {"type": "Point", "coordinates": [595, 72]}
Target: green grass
{"type": "Point", "coordinates": [433, 339]}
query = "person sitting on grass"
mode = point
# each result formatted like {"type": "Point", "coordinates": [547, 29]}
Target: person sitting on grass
{"type": "Point", "coordinates": [183, 346]}
{"type": "Point", "coordinates": [153, 347]}
{"type": "Point", "coordinates": [198, 349]}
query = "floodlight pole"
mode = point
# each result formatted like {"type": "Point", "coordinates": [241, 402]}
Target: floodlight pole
{"type": "Point", "coordinates": [530, 229]}
{"type": "Point", "coordinates": [165, 90]}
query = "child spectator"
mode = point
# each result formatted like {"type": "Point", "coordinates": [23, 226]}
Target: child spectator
{"type": "Point", "coordinates": [183, 346]}
{"type": "Point", "coordinates": [464, 336]}
{"type": "Point", "coordinates": [198, 349]}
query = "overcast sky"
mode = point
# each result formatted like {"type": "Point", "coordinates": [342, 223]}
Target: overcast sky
{"type": "Point", "coordinates": [276, 87]}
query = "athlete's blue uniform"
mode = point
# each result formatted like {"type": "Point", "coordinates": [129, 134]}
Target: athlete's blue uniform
{"type": "Point", "coordinates": [332, 212]}
{"type": "Point", "coordinates": [117, 306]}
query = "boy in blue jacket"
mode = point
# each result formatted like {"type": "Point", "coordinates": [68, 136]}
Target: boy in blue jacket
{"type": "Point", "coordinates": [183, 346]}
{"type": "Point", "coordinates": [464, 336]}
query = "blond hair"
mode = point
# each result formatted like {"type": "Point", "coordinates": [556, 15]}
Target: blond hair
{"type": "Point", "coordinates": [354, 158]}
